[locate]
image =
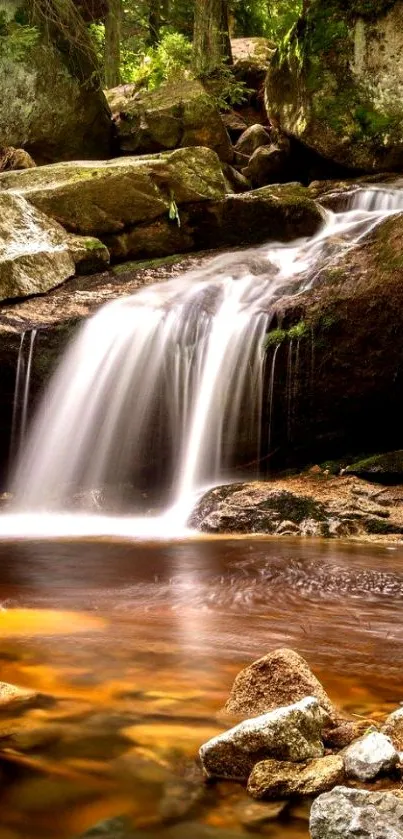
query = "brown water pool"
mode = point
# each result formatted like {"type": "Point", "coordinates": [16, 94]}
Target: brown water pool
{"type": "Point", "coordinates": [135, 646]}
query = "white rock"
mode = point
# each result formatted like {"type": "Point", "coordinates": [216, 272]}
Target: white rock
{"type": "Point", "coordinates": [356, 814]}
{"type": "Point", "coordinates": [369, 756]}
{"type": "Point", "coordinates": [290, 733]}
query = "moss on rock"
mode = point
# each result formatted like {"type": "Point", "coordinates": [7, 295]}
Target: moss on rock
{"type": "Point", "coordinates": [336, 84]}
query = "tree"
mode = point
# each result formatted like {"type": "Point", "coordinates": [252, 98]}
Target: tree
{"type": "Point", "coordinates": [211, 40]}
{"type": "Point", "coordinates": [113, 36]}
{"type": "Point", "coordinates": [154, 22]}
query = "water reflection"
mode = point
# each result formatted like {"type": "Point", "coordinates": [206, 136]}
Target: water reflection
{"type": "Point", "coordinates": [136, 693]}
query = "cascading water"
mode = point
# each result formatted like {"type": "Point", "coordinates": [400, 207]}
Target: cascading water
{"type": "Point", "coordinates": [21, 393]}
{"type": "Point", "coordinates": [167, 379]}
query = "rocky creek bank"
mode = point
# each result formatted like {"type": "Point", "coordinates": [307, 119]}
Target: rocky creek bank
{"type": "Point", "coordinates": [308, 748]}
{"type": "Point", "coordinates": [279, 747]}
{"type": "Point", "coordinates": [315, 503]}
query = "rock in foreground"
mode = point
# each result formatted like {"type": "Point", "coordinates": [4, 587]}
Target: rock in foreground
{"type": "Point", "coordinates": [36, 254]}
{"type": "Point", "coordinates": [282, 779]}
{"type": "Point", "coordinates": [393, 728]}
{"type": "Point", "coordinates": [372, 755]}
{"type": "Point", "coordinates": [290, 733]}
{"type": "Point", "coordinates": [280, 678]}
{"type": "Point", "coordinates": [354, 814]}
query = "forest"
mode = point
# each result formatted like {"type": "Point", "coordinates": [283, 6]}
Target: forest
{"type": "Point", "coordinates": [201, 419]}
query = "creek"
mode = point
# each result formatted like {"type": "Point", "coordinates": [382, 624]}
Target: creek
{"type": "Point", "coordinates": [133, 638]}
{"type": "Point", "coordinates": [136, 692]}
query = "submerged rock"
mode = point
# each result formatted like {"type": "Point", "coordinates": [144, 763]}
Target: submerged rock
{"type": "Point", "coordinates": [176, 115]}
{"type": "Point", "coordinates": [336, 83]}
{"type": "Point", "coordinates": [348, 813]}
{"type": "Point", "coordinates": [280, 678]}
{"type": "Point", "coordinates": [372, 755]}
{"type": "Point", "coordinates": [115, 828]}
{"type": "Point", "coordinates": [290, 733]}
{"type": "Point", "coordinates": [282, 779]}
{"type": "Point", "coordinates": [254, 815]}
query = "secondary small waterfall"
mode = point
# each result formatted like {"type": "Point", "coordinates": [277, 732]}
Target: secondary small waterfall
{"type": "Point", "coordinates": [21, 392]}
{"type": "Point", "coordinates": [168, 379]}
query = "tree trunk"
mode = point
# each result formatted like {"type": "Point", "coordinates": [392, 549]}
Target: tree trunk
{"type": "Point", "coordinates": [113, 26]}
{"type": "Point", "coordinates": [211, 40]}
{"type": "Point", "coordinates": [154, 22]}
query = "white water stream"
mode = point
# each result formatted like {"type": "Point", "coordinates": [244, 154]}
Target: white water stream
{"type": "Point", "coordinates": [178, 368]}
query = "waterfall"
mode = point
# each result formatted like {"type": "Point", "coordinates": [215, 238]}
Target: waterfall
{"type": "Point", "coordinates": [21, 394]}
{"type": "Point", "coordinates": [167, 381]}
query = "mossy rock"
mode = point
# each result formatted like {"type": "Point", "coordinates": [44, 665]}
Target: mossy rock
{"type": "Point", "coordinates": [178, 114]}
{"type": "Point", "coordinates": [381, 468]}
{"type": "Point", "coordinates": [336, 83]}
{"type": "Point", "coordinates": [46, 106]}
{"type": "Point", "coordinates": [108, 197]}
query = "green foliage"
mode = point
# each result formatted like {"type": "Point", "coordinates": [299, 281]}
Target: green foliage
{"type": "Point", "coordinates": [16, 39]}
{"type": "Point", "coordinates": [158, 64]}
{"type": "Point", "coordinates": [275, 337]}
{"type": "Point", "coordinates": [269, 19]}
{"type": "Point", "coordinates": [300, 330]}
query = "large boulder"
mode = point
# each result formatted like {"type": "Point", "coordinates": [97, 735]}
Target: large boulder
{"type": "Point", "coordinates": [291, 733]}
{"type": "Point", "coordinates": [36, 254]}
{"type": "Point", "coordinates": [175, 115]}
{"type": "Point", "coordinates": [383, 468]}
{"type": "Point", "coordinates": [347, 332]}
{"type": "Point", "coordinates": [349, 813]}
{"type": "Point", "coordinates": [46, 106]}
{"type": "Point", "coordinates": [107, 197]}
{"type": "Point", "coordinates": [296, 508]}
{"type": "Point", "coordinates": [128, 204]}
{"type": "Point", "coordinates": [336, 83]}
{"type": "Point", "coordinates": [279, 678]}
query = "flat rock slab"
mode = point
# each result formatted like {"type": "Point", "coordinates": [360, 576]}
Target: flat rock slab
{"type": "Point", "coordinates": [356, 814]}
{"type": "Point", "coordinates": [104, 197]}
{"type": "Point", "coordinates": [290, 733]}
{"type": "Point", "coordinates": [282, 779]}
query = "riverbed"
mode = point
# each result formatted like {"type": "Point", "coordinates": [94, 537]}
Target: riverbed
{"type": "Point", "coordinates": [133, 646]}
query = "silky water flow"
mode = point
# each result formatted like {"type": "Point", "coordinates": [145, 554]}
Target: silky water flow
{"type": "Point", "coordinates": [168, 378]}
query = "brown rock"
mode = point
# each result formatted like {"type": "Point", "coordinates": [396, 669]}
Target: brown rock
{"type": "Point", "coordinates": [281, 779]}
{"type": "Point", "coordinates": [342, 734]}
{"type": "Point", "coordinates": [268, 165]}
{"type": "Point", "coordinates": [11, 159]}
{"type": "Point", "coordinates": [252, 139]}
{"type": "Point", "coordinates": [393, 728]}
{"type": "Point", "coordinates": [279, 678]}
{"type": "Point", "coordinates": [234, 123]}
{"type": "Point", "coordinates": [255, 814]}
